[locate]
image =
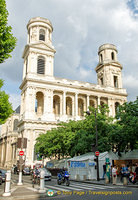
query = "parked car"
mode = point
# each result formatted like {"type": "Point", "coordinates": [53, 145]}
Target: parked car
{"type": "Point", "coordinates": [0, 179]}
{"type": "Point", "coordinates": [26, 171]}
{"type": "Point", "coordinates": [3, 174]}
{"type": "Point", "coordinates": [47, 174]}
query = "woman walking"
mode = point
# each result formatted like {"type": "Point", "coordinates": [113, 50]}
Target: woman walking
{"type": "Point", "coordinates": [114, 174]}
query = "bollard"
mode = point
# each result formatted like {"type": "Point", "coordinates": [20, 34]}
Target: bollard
{"type": "Point", "coordinates": [7, 191]}
{"type": "Point", "coordinates": [42, 174]}
{"type": "Point", "coordinates": [20, 179]}
{"type": "Point", "coordinates": [106, 180]}
{"type": "Point", "coordinates": [124, 180]}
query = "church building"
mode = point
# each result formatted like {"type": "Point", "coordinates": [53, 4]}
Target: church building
{"type": "Point", "coordinates": [46, 100]}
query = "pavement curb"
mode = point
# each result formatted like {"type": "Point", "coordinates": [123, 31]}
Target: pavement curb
{"type": "Point", "coordinates": [98, 183]}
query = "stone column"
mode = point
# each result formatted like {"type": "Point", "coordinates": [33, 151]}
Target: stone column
{"type": "Point", "coordinates": [110, 106]}
{"type": "Point", "coordinates": [45, 103]}
{"type": "Point", "coordinates": [0, 152]}
{"type": "Point", "coordinates": [98, 100]}
{"type": "Point", "coordinates": [64, 103]}
{"type": "Point", "coordinates": [88, 102]}
{"type": "Point", "coordinates": [113, 108]}
{"type": "Point", "coordinates": [76, 104]}
{"type": "Point", "coordinates": [73, 107]}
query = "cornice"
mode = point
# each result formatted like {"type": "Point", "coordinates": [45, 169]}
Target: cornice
{"type": "Point", "coordinates": [36, 122]}
{"type": "Point", "coordinates": [115, 64]}
{"type": "Point", "coordinates": [92, 87]}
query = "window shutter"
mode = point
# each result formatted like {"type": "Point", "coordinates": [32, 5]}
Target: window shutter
{"type": "Point", "coordinates": [41, 65]}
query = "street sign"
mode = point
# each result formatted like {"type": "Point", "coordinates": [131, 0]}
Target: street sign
{"type": "Point", "coordinates": [21, 153]}
{"type": "Point", "coordinates": [97, 153]}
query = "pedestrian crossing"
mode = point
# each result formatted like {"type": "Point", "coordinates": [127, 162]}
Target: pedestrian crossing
{"type": "Point", "coordinates": [78, 187]}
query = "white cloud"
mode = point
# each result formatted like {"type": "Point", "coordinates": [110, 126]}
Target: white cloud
{"type": "Point", "coordinates": [80, 27]}
{"type": "Point", "coordinates": [131, 82]}
{"type": "Point", "coordinates": [15, 99]}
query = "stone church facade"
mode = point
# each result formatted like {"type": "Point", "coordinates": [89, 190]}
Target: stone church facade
{"type": "Point", "coordinates": [47, 100]}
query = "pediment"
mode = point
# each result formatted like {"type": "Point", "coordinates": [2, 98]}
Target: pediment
{"type": "Point", "coordinates": [39, 45]}
{"type": "Point", "coordinates": [42, 45]}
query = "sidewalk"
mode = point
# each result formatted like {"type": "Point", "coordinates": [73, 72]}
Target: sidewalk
{"type": "Point", "coordinates": [26, 191]}
{"type": "Point", "coordinates": [102, 182]}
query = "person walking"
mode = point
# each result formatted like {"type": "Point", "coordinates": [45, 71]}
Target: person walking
{"type": "Point", "coordinates": [104, 170]}
{"type": "Point", "coordinates": [136, 170]}
{"type": "Point", "coordinates": [114, 174]}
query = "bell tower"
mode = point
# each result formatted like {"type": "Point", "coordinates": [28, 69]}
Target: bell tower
{"type": "Point", "coordinates": [38, 54]}
{"type": "Point", "coordinates": [109, 69]}
{"type": "Point", "coordinates": [38, 58]}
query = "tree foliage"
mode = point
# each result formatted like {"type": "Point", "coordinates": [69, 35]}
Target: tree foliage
{"type": "Point", "coordinates": [77, 137]}
{"type": "Point", "coordinates": [125, 130]}
{"type": "Point", "coordinates": [7, 41]}
{"type": "Point", "coordinates": [5, 105]}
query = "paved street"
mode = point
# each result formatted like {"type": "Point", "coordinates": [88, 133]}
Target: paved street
{"type": "Point", "coordinates": [76, 190]}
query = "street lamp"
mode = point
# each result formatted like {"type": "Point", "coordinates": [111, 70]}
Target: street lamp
{"type": "Point", "coordinates": [96, 144]}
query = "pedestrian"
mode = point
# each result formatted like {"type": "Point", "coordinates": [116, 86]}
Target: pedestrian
{"type": "Point", "coordinates": [136, 170]}
{"type": "Point", "coordinates": [133, 168]}
{"type": "Point", "coordinates": [104, 170]}
{"type": "Point", "coordinates": [114, 174]}
{"type": "Point", "coordinates": [128, 171]}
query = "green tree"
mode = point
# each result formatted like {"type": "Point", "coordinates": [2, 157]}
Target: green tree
{"type": "Point", "coordinates": [86, 136]}
{"type": "Point", "coordinates": [5, 106]}
{"type": "Point", "coordinates": [127, 119]}
{"type": "Point", "coordinates": [56, 142]}
{"type": "Point", "coordinates": [7, 41]}
{"type": "Point", "coordinates": [77, 137]}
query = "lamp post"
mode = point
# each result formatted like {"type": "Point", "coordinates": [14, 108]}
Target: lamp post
{"type": "Point", "coordinates": [96, 144]}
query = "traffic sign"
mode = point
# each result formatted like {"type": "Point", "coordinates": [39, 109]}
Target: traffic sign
{"type": "Point", "coordinates": [21, 153]}
{"type": "Point", "coordinates": [97, 153]}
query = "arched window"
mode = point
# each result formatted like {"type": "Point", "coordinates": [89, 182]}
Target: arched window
{"type": "Point", "coordinates": [101, 80]}
{"type": "Point", "coordinates": [102, 103]}
{"type": "Point", "coordinates": [42, 34]}
{"type": "Point", "coordinates": [112, 55]}
{"type": "Point", "coordinates": [102, 106]}
{"type": "Point", "coordinates": [15, 125]}
{"type": "Point", "coordinates": [56, 105]}
{"type": "Point", "coordinates": [116, 107]}
{"type": "Point", "coordinates": [101, 57]}
{"type": "Point", "coordinates": [68, 106]}
{"type": "Point", "coordinates": [92, 104]}
{"type": "Point", "coordinates": [41, 65]}
{"type": "Point", "coordinates": [115, 81]}
{"type": "Point", "coordinates": [80, 107]}
{"type": "Point", "coordinates": [39, 104]}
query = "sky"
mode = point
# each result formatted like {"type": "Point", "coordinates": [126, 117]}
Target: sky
{"type": "Point", "coordinates": [80, 27]}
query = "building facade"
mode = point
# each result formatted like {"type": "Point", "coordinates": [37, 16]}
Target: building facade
{"type": "Point", "coordinates": [47, 100]}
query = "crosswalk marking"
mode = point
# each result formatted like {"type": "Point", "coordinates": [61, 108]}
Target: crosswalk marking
{"type": "Point", "coordinates": [93, 186]}
{"type": "Point", "coordinates": [57, 188]}
{"type": "Point", "coordinates": [78, 187]}
{"type": "Point", "coordinates": [84, 187]}
{"type": "Point", "coordinates": [70, 187]}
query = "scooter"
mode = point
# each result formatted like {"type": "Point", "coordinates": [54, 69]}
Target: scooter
{"type": "Point", "coordinates": [63, 178]}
